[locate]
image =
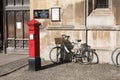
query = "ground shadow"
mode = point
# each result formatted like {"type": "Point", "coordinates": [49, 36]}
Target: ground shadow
{"type": "Point", "coordinates": [51, 65]}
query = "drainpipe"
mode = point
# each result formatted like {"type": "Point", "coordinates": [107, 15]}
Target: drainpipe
{"type": "Point", "coordinates": [86, 14]}
{"type": "Point", "coordinates": [4, 28]}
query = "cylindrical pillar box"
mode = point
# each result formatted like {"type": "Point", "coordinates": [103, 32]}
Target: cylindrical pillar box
{"type": "Point", "coordinates": [34, 49]}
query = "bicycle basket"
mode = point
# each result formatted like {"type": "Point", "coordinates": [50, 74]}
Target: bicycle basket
{"type": "Point", "coordinates": [59, 40]}
{"type": "Point", "coordinates": [84, 45]}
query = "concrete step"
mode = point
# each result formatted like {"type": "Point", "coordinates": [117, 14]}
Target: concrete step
{"type": "Point", "coordinates": [11, 50]}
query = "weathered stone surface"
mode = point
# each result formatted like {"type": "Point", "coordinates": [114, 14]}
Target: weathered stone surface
{"type": "Point", "coordinates": [103, 33]}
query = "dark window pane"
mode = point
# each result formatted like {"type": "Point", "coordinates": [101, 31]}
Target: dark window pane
{"type": "Point", "coordinates": [26, 19]}
{"type": "Point", "coordinates": [102, 3]}
{"type": "Point", "coordinates": [10, 21]}
{"type": "Point", "coordinates": [19, 25]}
{"type": "Point", "coordinates": [26, 2]}
{"type": "Point", "coordinates": [18, 2]}
{"type": "Point", "coordinates": [10, 2]}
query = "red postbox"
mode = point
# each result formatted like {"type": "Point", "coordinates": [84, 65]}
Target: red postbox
{"type": "Point", "coordinates": [34, 49]}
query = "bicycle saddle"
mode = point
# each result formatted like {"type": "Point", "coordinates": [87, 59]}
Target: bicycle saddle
{"type": "Point", "coordinates": [78, 40]}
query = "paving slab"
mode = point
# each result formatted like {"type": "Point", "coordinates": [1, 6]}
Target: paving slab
{"type": "Point", "coordinates": [13, 66]}
{"type": "Point", "coordinates": [11, 62]}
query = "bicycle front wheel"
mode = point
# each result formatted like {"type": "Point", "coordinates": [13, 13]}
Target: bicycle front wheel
{"type": "Point", "coordinates": [86, 57]}
{"type": "Point", "coordinates": [95, 59]}
{"type": "Point", "coordinates": [118, 59]}
{"type": "Point", "coordinates": [56, 55]}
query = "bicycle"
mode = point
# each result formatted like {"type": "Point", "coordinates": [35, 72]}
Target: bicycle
{"type": "Point", "coordinates": [116, 56]}
{"type": "Point", "coordinates": [83, 55]}
{"type": "Point", "coordinates": [84, 50]}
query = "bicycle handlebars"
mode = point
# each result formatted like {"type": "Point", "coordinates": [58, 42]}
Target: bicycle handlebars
{"type": "Point", "coordinates": [65, 36]}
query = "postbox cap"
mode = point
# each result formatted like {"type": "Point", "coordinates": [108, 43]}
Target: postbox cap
{"type": "Point", "coordinates": [33, 22]}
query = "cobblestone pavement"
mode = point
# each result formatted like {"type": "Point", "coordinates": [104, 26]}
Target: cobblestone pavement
{"type": "Point", "coordinates": [67, 71]}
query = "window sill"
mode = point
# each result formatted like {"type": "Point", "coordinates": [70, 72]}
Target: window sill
{"type": "Point", "coordinates": [82, 27]}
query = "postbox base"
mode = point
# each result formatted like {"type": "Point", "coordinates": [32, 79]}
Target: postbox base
{"type": "Point", "coordinates": [34, 64]}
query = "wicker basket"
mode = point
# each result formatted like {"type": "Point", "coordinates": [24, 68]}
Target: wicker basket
{"type": "Point", "coordinates": [59, 40]}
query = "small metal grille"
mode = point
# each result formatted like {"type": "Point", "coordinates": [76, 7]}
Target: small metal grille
{"type": "Point", "coordinates": [10, 43]}
{"type": "Point", "coordinates": [102, 3]}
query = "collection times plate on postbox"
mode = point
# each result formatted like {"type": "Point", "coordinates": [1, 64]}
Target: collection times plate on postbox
{"type": "Point", "coordinates": [41, 14]}
{"type": "Point", "coordinates": [31, 37]}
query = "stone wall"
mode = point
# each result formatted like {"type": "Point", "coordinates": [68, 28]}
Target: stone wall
{"type": "Point", "coordinates": [110, 4]}
{"type": "Point", "coordinates": [90, 6]}
{"type": "Point", "coordinates": [48, 41]}
{"type": "Point", "coordinates": [72, 11]}
{"type": "Point", "coordinates": [102, 38]}
{"type": "Point", "coordinates": [116, 10]}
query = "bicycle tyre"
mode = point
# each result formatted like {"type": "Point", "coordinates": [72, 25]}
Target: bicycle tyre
{"type": "Point", "coordinates": [56, 55]}
{"type": "Point", "coordinates": [118, 59]}
{"type": "Point", "coordinates": [85, 58]}
{"type": "Point", "coordinates": [114, 54]}
{"type": "Point", "coordinates": [95, 59]}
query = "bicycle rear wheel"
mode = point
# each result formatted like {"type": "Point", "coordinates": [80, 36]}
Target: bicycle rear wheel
{"type": "Point", "coordinates": [118, 59]}
{"type": "Point", "coordinates": [56, 55]}
{"type": "Point", "coordinates": [85, 57]}
{"type": "Point", "coordinates": [114, 55]}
